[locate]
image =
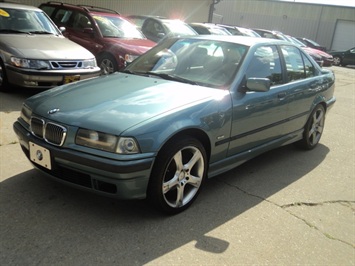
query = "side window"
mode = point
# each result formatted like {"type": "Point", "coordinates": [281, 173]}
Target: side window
{"type": "Point", "coordinates": [81, 22]}
{"type": "Point", "coordinates": [266, 64]}
{"type": "Point", "coordinates": [308, 66]}
{"type": "Point", "coordinates": [62, 16]}
{"type": "Point", "coordinates": [294, 63]}
{"type": "Point", "coordinates": [153, 28]}
{"type": "Point", "coordinates": [49, 10]}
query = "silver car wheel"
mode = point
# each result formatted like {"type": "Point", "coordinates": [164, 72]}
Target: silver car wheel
{"type": "Point", "coordinates": [107, 63]}
{"type": "Point", "coordinates": [106, 67]}
{"type": "Point", "coordinates": [313, 129]}
{"type": "Point", "coordinates": [178, 175]}
{"type": "Point", "coordinates": [183, 177]}
{"type": "Point", "coordinates": [336, 61]}
{"type": "Point", "coordinates": [317, 125]}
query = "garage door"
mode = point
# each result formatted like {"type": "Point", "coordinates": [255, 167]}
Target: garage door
{"type": "Point", "coordinates": [344, 37]}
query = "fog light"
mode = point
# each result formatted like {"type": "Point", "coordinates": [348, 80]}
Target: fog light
{"type": "Point", "coordinates": [31, 83]}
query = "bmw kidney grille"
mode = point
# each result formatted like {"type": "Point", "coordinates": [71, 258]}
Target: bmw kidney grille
{"type": "Point", "coordinates": [52, 133]}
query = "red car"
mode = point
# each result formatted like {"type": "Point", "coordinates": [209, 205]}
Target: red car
{"type": "Point", "coordinates": [327, 58]}
{"type": "Point", "coordinates": [113, 40]}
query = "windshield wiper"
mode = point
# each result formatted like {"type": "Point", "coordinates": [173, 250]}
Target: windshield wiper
{"type": "Point", "coordinates": [128, 72]}
{"type": "Point", "coordinates": [11, 31]}
{"type": "Point", "coordinates": [40, 32]}
{"type": "Point", "coordinates": [170, 77]}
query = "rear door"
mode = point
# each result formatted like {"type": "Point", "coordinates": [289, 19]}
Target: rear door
{"type": "Point", "coordinates": [304, 83]}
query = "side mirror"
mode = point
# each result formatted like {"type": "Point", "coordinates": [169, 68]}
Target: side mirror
{"type": "Point", "coordinates": [161, 35]}
{"type": "Point", "coordinates": [62, 29]}
{"type": "Point", "coordinates": [258, 84]}
{"type": "Point", "coordinates": [89, 30]}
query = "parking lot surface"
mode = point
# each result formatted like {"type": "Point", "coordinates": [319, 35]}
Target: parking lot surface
{"type": "Point", "coordinates": [285, 207]}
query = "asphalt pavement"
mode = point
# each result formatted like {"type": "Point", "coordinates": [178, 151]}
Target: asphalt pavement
{"type": "Point", "coordinates": [286, 207]}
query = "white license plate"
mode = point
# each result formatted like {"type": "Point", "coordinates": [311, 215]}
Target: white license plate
{"type": "Point", "coordinates": [40, 155]}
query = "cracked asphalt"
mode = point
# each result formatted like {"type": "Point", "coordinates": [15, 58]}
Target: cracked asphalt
{"type": "Point", "coordinates": [286, 207]}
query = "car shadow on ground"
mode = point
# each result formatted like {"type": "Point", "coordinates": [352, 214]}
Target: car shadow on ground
{"type": "Point", "coordinates": [45, 222]}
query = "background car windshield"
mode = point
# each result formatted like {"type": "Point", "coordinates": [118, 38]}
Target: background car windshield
{"type": "Point", "coordinates": [218, 31]}
{"type": "Point", "coordinates": [179, 28]}
{"type": "Point", "coordinates": [117, 28]}
{"type": "Point", "coordinates": [204, 62]}
{"type": "Point", "coordinates": [25, 21]}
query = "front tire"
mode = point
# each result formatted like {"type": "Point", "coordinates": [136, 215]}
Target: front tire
{"type": "Point", "coordinates": [4, 84]}
{"type": "Point", "coordinates": [178, 174]}
{"type": "Point", "coordinates": [336, 61]}
{"type": "Point", "coordinates": [313, 129]}
{"type": "Point", "coordinates": [108, 64]}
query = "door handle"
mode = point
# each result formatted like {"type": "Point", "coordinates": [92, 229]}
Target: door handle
{"type": "Point", "coordinates": [281, 95]}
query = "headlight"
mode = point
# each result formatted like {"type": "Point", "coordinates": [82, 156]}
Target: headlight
{"type": "Point", "coordinates": [89, 63]}
{"type": "Point", "coordinates": [127, 146]}
{"type": "Point", "coordinates": [26, 113]}
{"type": "Point", "coordinates": [30, 63]}
{"type": "Point", "coordinates": [106, 142]}
{"type": "Point", "coordinates": [129, 58]}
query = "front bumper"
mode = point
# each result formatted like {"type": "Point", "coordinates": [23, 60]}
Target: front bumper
{"type": "Point", "coordinates": [118, 179]}
{"type": "Point", "coordinates": [47, 79]}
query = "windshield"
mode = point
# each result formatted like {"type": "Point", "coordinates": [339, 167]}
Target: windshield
{"type": "Point", "coordinates": [25, 21]}
{"type": "Point", "coordinates": [219, 31]}
{"type": "Point", "coordinates": [248, 32]}
{"type": "Point", "coordinates": [313, 42]}
{"type": "Point", "coordinates": [179, 28]}
{"type": "Point", "coordinates": [116, 27]}
{"type": "Point", "coordinates": [296, 42]}
{"type": "Point", "coordinates": [196, 61]}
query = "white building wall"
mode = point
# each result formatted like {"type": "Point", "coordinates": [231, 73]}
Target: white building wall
{"type": "Point", "coordinates": [316, 22]}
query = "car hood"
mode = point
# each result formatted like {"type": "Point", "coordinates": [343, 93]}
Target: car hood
{"type": "Point", "coordinates": [118, 102]}
{"type": "Point", "coordinates": [135, 46]}
{"type": "Point", "coordinates": [318, 52]}
{"type": "Point", "coordinates": [44, 47]}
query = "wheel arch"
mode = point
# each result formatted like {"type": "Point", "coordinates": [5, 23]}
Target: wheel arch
{"type": "Point", "coordinates": [198, 134]}
{"type": "Point", "coordinates": [110, 54]}
{"type": "Point", "coordinates": [320, 101]}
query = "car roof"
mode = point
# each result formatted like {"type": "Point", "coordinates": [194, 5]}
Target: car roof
{"type": "Point", "coordinates": [19, 6]}
{"type": "Point", "coordinates": [248, 41]}
{"type": "Point", "coordinates": [145, 16]}
{"type": "Point", "coordinates": [82, 7]}
{"type": "Point", "coordinates": [167, 20]}
{"type": "Point", "coordinates": [206, 25]}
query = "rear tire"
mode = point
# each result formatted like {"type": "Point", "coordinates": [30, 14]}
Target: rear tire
{"type": "Point", "coordinates": [178, 174]}
{"type": "Point", "coordinates": [313, 129]}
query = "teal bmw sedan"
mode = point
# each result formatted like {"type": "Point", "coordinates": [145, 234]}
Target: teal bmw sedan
{"type": "Point", "coordinates": [187, 110]}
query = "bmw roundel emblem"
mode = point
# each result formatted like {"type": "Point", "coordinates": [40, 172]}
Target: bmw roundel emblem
{"type": "Point", "coordinates": [53, 111]}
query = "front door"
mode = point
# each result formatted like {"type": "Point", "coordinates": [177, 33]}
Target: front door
{"type": "Point", "coordinates": [259, 117]}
